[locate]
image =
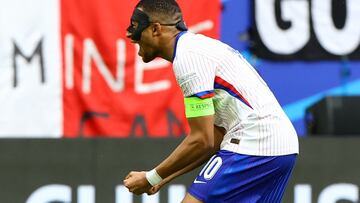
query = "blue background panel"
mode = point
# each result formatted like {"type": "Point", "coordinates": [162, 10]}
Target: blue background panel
{"type": "Point", "coordinates": [296, 84]}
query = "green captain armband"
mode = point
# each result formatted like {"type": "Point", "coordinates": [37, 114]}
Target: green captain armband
{"type": "Point", "coordinates": [195, 107]}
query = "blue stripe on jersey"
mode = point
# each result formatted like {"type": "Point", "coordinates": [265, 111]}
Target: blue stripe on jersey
{"type": "Point", "coordinates": [176, 41]}
{"type": "Point", "coordinates": [205, 94]}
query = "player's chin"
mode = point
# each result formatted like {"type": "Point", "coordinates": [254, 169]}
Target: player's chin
{"type": "Point", "coordinates": [147, 59]}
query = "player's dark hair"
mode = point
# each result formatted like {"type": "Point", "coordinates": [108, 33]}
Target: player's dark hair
{"type": "Point", "coordinates": [163, 9]}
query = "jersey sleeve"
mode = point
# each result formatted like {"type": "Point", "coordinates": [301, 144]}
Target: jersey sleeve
{"type": "Point", "coordinates": [195, 75]}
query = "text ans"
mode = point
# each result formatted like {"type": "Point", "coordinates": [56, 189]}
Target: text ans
{"type": "Point", "coordinates": [86, 194]}
{"type": "Point", "coordinates": [330, 194]}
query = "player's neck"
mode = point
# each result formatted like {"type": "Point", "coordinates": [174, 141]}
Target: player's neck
{"type": "Point", "coordinates": [168, 49]}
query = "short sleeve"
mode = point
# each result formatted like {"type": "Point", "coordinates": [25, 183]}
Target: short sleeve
{"type": "Point", "coordinates": [195, 74]}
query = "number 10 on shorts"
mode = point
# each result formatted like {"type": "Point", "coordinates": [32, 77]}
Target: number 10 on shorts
{"type": "Point", "coordinates": [211, 168]}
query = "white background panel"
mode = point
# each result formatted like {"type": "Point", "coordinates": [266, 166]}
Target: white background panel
{"type": "Point", "coordinates": [32, 108]}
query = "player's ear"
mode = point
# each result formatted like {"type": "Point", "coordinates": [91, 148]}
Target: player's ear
{"type": "Point", "coordinates": [156, 29]}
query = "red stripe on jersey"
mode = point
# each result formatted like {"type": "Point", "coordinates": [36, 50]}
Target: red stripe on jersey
{"type": "Point", "coordinates": [230, 87]}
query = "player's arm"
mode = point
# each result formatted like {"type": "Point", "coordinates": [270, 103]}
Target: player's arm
{"type": "Point", "coordinates": [193, 150]}
{"type": "Point", "coordinates": [218, 137]}
{"type": "Point", "coordinates": [198, 146]}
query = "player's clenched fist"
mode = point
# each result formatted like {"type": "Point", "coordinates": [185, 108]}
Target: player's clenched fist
{"type": "Point", "coordinates": [137, 183]}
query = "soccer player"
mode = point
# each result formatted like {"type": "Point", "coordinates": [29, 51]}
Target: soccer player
{"type": "Point", "coordinates": [236, 123]}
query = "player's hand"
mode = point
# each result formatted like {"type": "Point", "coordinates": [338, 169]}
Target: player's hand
{"type": "Point", "coordinates": [137, 183]}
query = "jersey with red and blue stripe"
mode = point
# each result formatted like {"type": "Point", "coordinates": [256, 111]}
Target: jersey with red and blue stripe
{"type": "Point", "coordinates": [244, 104]}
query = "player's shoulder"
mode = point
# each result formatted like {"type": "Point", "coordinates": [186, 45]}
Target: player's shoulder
{"type": "Point", "coordinates": [191, 44]}
{"type": "Point", "coordinates": [199, 40]}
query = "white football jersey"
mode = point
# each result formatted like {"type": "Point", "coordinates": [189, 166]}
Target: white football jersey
{"type": "Point", "coordinates": [244, 104]}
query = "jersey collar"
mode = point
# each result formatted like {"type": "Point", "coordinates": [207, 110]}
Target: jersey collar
{"type": "Point", "coordinates": [176, 42]}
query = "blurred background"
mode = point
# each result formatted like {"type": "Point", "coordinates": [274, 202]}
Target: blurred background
{"type": "Point", "coordinates": [68, 72]}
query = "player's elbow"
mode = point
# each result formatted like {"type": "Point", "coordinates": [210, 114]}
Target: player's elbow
{"type": "Point", "coordinates": [205, 143]}
{"type": "Point", "coordinates": [207, 146]}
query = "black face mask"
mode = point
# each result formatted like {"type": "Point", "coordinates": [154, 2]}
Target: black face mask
{"type": "Point", "coordinates": [143, 22]}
